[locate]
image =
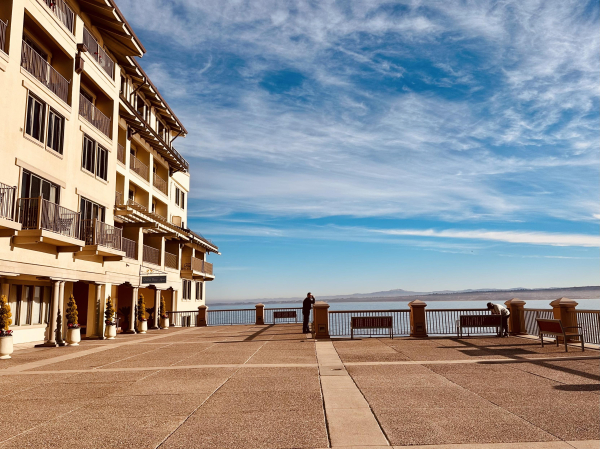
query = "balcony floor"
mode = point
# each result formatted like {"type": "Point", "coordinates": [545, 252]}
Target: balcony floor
{"type": "Point", "coordinates": [62, 242]}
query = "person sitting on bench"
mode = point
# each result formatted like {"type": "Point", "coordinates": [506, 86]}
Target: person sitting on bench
{"type": "Point", "coordinates": [499, 309]}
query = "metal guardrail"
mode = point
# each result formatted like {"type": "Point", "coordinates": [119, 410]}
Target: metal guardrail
{"type": "Point", "coordinates": [121, 153]}
{"type": "Point", "coordinates": [98, 53]}
{"type": "Point", "coordinates": [340, 322]}
{"type": "Point", "coordinates": [138, 167]}
{"type": "Point", "coordinates": [530, 319]}
{"type": "Point", "coordinates": [62, 11]}
{"type": "Point", "coordinates": [8, 196]}
{"type": "Point", "coordinates": [589, 320]}
{"type": "Point", "coordinates": [38, 213]}
{"type": "Point", "coordinates": [35, 64]}
{"type": "Point", "coordinates": [171, 260]}
{"type": "Point", "coordinates": [183, 318]}
{"type": "Point", "coordinates": [443, 321]}
{"type": "Point", "coordinates": [92, 114]}
{"type": "Point", "coordinates": [130, 248]}
{"type": "Point", "coordinates": [151, 255]}
{"type": "Point", "coordinates": [230, 317]}
{"type": "Point", "coordinates": [160, 183]}
{"type": "Point", "coordinates": [3, 26]}
{"type": "Point", "coordinates": [199, 265]}
{"type": "Point", "coordinates": [96, 232]}
{"type": "Point", "coordinates": [118, 198]}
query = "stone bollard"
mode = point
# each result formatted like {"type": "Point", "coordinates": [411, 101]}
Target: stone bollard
{"type": "Point", "coordinates": [321, 319]}
{"type": "Point", "coordinates": [202, 316]}
{"type": "Point", "coordinates": [418, 323]}
{"type": "Point", "coordinates": [260, 314]}
{"type": "Point", "coordinates": [564, 310]}
{"type": "Point", "coordinates": [516, 320]}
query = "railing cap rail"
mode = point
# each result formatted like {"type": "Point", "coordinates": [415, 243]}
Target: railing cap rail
{"type": "Point", "coordinates": [233, 310]}
{"type": "Point", "coordinates": [369, 311]}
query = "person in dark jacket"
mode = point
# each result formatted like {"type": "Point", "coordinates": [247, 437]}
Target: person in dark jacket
{"type": "Point", "coordinates": [306, 306]}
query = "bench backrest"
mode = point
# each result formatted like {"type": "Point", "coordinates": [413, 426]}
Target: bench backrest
{"type": "Point", "coordinates": [284, 314]}
{"type": "Point", "coordinates": [550, 326]}
{"type": "Point", "coordinates": [480, 320]}
{"type": "Point", "coordinates": [371, 322]}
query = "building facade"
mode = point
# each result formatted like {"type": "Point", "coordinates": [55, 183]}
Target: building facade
{"type": "Point", "coordinates": [93, 194]}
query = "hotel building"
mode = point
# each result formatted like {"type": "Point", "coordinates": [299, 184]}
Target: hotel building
{"type": "Point", "coordinates": [93, 194]}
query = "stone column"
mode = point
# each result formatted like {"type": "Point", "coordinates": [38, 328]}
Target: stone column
{"type": "Point", "coordinates": [260, 314]}
{"type": "Point", "coordinates": [516, 320]}
{"type": "Point", "coordinates": [134, 295]}
{"type": "Point", "coordinates": [418, 322]}
{"type": "Point", "coordinates": [564, 310]}
{"type": "Point", "coordinates": [157, 293]}
{"type": "Point", "coordinates": [53, 314]}
{"type": "Point", "coordinates": [321, 319]}
{"type": "Point", "coordinates": [101, 302]}
{"type": "Point", "coordinates": [202, 316]}
{"type": "Point", "coordinates": [61, 300]}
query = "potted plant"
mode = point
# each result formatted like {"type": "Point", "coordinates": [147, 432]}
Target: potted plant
{"type": "Point", "coordinates": [73, 331]}
{"type": "Point", "coordinates": [164, 317]}
{"type": "Point", "coordinates": [109, 314]}
{"type": "Point", "coordinates": [142, 315]}
{"type": "Point", "coordinates": [6, 339]}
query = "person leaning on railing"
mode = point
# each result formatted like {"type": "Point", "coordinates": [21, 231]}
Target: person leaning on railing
{"type": "Point", "coordinates": [306, 306]}
{"type": "Point", "coordinates": [499, 309]}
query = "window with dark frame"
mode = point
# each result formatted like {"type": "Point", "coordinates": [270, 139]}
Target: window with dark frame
{"type": "Point", "coordinates": [183, 200]}
{"type": "Point", "coordinates": [94, 158]}
{"type": "Point", "coordinates": [102, 163]}
{"type": "Point", "coordinates": [56, 125]}
{"type": "Point", "coordinates": [177, 195]}
{"type": "Point", "coordinates": [32, 186]}
{"type": "Point", "coordinates": [36, 111]}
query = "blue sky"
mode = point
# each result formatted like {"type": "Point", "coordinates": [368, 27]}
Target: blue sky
{"type": "Point", "coordinates": [344, 147]}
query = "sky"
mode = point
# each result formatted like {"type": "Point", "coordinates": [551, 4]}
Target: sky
{"type": "Point", "coordinates": [357, 146]}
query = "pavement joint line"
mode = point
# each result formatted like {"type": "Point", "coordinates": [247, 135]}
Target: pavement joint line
{"type": "Point", "coordinates": [519, 445]}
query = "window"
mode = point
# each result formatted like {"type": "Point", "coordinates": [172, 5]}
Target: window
{"type": "Point", "coordinates": [36, 111]}
{"type": "Point", "coordinates": [90, 210]}
{"type": "Point", "coordinates": [94, 158]}
{"type": "Point", "coordinates": [140, 106]}
{"type": "Point", "coordinates": [198, 291]}
{"type": "Point", "coordinates": [177, 191]}
{"type": "Point", "coordinates": [87, 95]}
{"type": "Point", "coordinates": [56, 125]}
{"type": "Point", "coordinates": [123, 85]}
{"type": "Point", "coordinates": [102, 163]}
{"type": "Point", "coordinates": [33, 186]}
{"type": "Point", "coordinates": [17, 313]}
{"type": "Point", "coordinates": [183, 200]}
{"type": "Point", "coordinates": [187, 289]}
{"type": "Point", "coordinates": [131, 194]}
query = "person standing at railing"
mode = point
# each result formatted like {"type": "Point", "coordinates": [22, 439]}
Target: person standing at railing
{"type": "Point", "coordinates": [499, 309]}
{"type": "Point", "coordinates": [306, 306]}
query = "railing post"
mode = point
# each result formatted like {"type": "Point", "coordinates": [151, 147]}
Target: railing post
{"type": "Point", "coordinates": [516, 320]}
{"type": "Point", "coordinates": [321, 319]}
{"type": "Point", "coordinates": [260, 311]}
{"type": "Point", "coordinates": [564, 310]}
{"type": "Point", "coordinates": [202, 316]}
{"type": "Point", "coordinates": [418, 322]}
{"type": "Point", "coordinates": [39, 217]}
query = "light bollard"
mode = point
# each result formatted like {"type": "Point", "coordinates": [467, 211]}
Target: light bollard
{"type": "Point", "coordinates": [516, 320]}
{"type": "Point", "coordinates": [260, 314]}
{"type": "Point", "coordinates": [418, 323]}
{"type": "Point", "coordinates": [321, 319]}
{"type": "Point", "coordinates": [564, 310]}
{"type": "Point", "coordinates": [202, 316]}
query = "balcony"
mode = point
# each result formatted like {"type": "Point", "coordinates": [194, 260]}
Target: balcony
{"type": "Point", "coordinates": [130, 248]}
{"type": "Point", "coordinates": [35, 64]}
{"type": "Point", "coordinates": [62, 11]}
{"type": "Point", "coordinates": [121, 153]}
{"type": "Point", "coordinates": [171, 261]}
{"type": "Point", "coordinates": [92, 114]}
{"type": "Point", "coordinates": [98, 53]}
{"type": "Point", "coordinates": [43, 222]}
{"type": "Point", "coordinates": [3, 36]}
{"type": "Point", "coordinates": [8, 225]}
{"type": "Point", "coordinates": [160, 184]}
{"type": "Point", "coordinates": [199, 269]}
{"type": "Point", "coordinates": [101, 239]}
{"type": "Point", "coordinates": [151, 255]}
{"type": "Point", "coordinates": [139, 167]}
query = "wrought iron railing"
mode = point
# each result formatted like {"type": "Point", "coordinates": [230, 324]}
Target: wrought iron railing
{"type": "Point", "coordinates": [121, 153]}
{"type": "Point", "coordinates": [183, 318]}
{"type": "Point", "coordinates": [8, 195]}
{"type": "Point", "coordinates": [230, 317]}
{"type": "Point", "coordinates": [130, 248]}
{"type": "Point", "coordinates": [151, 255]}
{"type": "Point", "coordinates": [118, 198]}
{"type": "Point", "coordinates": [38, 213]}
{"type": "Point", "coordinates": [92, 114]}
{"type": "Point", "coordinates": [62, 11]}
{"type": "Point", "coordinates": [340, 322]}
{"type": "Point", "coordinates": [98, 53]}
{"type": "Point", "coordinates": [138, 167]}
{"type": "Point", "coordinates": [530, 319]}
{"type": "Point", "coordinates": [199, 265]}
{"type": "Point", "coordinates": [35, 64]}
{"type": "Point", "coordinates": [589, 320]}
{"type": "Point", "coordinates": [160, 184]}
{"type": "Point", "coordinates": [444, 321]}
{"type": "Point", "coordinates": [96, 232]}
{"type": "Point", "coordinates": [171, 260]}
{"type": "Point", "coordinates": [3, 35]}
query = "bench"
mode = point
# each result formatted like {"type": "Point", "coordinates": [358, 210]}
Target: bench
{"type": "Point", "coordinates": [285, 314]}
{"type": "Point", "coordinates": [556, 328]}
{"type": "Point", "coordinates": [477, 321]}
{"type": "Point", "coordinates": [371, 322]}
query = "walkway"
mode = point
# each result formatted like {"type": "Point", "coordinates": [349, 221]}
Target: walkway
{"type": "Point", "coordinates": [270, 387]}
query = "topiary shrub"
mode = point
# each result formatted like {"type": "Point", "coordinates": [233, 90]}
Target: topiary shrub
{"type": "Point", "coordinates": [141, 309]}
{"type": "Point", "coordinates": [163, 307]}
{"type": "Point", "coordinates": [109, 313]}
{"type": "Point", "coordinates": [5, 317]}
{"type": "Point", "coordinates": [72, 315]}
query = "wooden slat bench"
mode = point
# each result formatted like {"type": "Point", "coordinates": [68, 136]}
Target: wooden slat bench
{"type": "Point", "coordinates": [556, 328]}
{"type": "Point", "coordinates": [371, 322]}
{"type": "Point", "coordinates": [285, 314]}
{"type": "Point", "coordinates": [477, 321]}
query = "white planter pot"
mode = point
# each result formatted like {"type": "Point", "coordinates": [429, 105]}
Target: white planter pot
{"type": "Point", "coordinates": [110, 332]}
{"type": "Point", "coordinates": [164, 323]}
{"type": "Point", "coordinates": [142, 326]}
{"type": "Point", "coordinates": [73, 336]}
{"type": "Point", "coordinates": [6, 347]}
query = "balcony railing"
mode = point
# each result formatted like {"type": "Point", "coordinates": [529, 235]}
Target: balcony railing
{"type": "Point", "coordinates": [130, 248]}
{"type": "Point", "coordinates": [38, 213]}
{"type": "Point", "coordinates": [199, 265]}
{"type": "Point", "coordinates": [131, 202]}
{"type": "Point", "coordinates": [171, 260]}
{"type": "Point", "coordinates": [121, 153]}
{"type": "Point", "coordinates": [151, 255]}
{"type": "Point", "coordinates": [62, 11]}
{"type": "Point", "coordinates": [92, 114]}
{"type": "Point", "coordinates": [98, 53]}
{"type": "Point", "coordinates": [118, 198]}
{"type": "Point", "coordinates": [35, 64]}
{"type": "Point", "coordinates": [3, 36]}
{"type": "Point", "coordinates": [160, 184]}
{"type": "Point", "coordinates": [96, 232]}
{"type": "Point", "coordinates": [139, 167]}
{"type": "Point", "coordinates": [7, 201]}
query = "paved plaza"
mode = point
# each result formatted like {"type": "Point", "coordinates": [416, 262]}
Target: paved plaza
{"type": "Point", "coordinates": [272, 387]}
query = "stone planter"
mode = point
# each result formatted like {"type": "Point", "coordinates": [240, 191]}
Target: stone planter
{"type": "Point", "coordinates": [6, 347]}
{"type": "Point", "coordinates": [73, 336]}
{"type": "Point", "coordinates": [142, 326]}
{"type": "Point", "coordinates": [110, 332]}
{"type": "Point", "coordinates": [164, 323]}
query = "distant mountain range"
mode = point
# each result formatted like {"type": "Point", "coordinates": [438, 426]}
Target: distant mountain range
{"type": "Point", "coordinates": [589, 292]}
